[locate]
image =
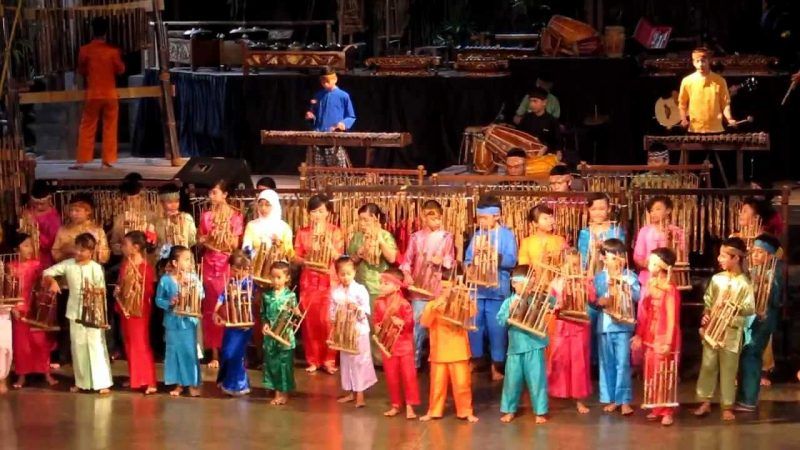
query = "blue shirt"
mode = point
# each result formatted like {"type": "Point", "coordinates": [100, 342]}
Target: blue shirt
{"type": "Point", "coordinates": [507, 256]}
{"type": "Point", "coordinates": [331, 108]}
{"type": "Point", "coordinates": [167, 290]}
{"type": "Point", "coordinates": [585, 240]}
{"type": "Point", "coordinates": [519, 340]}
{"type": "Point", "coordinates": [605, 324]}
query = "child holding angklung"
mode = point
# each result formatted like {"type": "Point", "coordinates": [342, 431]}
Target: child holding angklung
{"type": "Point", "coordinates": [278, 357]}
{"type": "Point", "coordinates": [659, 232]}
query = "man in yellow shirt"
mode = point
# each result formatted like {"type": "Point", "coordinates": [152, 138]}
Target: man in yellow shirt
{"type": "Point", "coordinates": [703, 98]}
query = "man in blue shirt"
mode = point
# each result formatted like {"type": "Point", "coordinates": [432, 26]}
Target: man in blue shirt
{"type": "Point", "coordinates": [331, 110]}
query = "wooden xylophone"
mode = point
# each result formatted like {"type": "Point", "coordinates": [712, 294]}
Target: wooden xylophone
{"type": "Point", "coordinates": [334, 139]}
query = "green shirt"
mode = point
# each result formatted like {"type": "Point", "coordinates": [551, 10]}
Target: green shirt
{"type": "Point", "coordinates": [741, 293]}
{"type": "Point", "coordinates": [272, 303]}
{"type": "Point", "coordinates": [553, 106]}
{"type": "Point", "coordinates": [367, 274]}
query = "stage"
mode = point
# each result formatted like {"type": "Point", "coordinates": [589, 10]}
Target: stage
{"type": "Point", "coordinates": [39, 418]}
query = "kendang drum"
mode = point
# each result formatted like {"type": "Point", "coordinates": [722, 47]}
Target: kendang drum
{"type": "Point", "coordinates": [566, 36]}
{"type": "Point", "coordinates": [489, 149]}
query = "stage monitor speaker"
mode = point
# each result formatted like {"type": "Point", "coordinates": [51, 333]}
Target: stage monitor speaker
{"type": "Point", "coordinates": [203, 172]}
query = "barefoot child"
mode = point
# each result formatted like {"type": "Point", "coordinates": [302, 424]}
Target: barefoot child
{"type": "Point", "coordinates": [278, 358]}
{"type": "Point", "coordinates": [358, 373]}
{"type": "Point", "coordinates": [401, 374]}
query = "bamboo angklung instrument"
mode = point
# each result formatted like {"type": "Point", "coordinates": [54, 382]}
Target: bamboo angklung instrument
{"type": "Point", "coordinates": [676, 242]}
{"type": "Point", "coordinates": [387, 332]}
{"type": "Point", "coordinates": [461, 305]}
{"type": "Point", "coordinates": [661, 381]}
{"type": "Point", "coordinates": [484, 270]}
{"type": "Point", "coordinates": [343, 336]}
{"type": "Point", "coordinates": [321, 255]}
{"type": "Point", "coordinates": [425, 274]}
{"type": "Point", "coordinates": [266, 255]}
{"type": "Point", "coordinates": [620, 301]}
{"type": "Point", "coordinates": [762, 276]}
{"type": "Point", "coordinates": [575, 295]}
{"type": "Point", "coordinates": [93, 306]}
{"type": "Point", "coordinates": [532, 309]}
{"type": "Point", "coordinates": [29, 226]}
{"type": "Point", "coordinates": [723, 312]}
{"type": "Point", "coordinates": [221, 237]}
{"type": "Point", "coordinates": [10, 293]}
{"type": "Point", "coordinates": [131, 291]}
{"type": "Point", "coordinates": [189, 300]}
{"type": "Point", "coordinates": [286, 324]}
{"type": "Point", "coordinates": [372, 251]}
{"type": "Point", "coordinates": [43, 312]}
{"type": "Point", "coordinates": [238, 304]}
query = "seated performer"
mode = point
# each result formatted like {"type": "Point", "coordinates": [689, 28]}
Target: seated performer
{"type": "Point", "coordinates": [331, 110]}
{"type": "Point", "coordinates": [515, 162]}
{"type": "Point", "coordinates": [658, 159]}
{"type": "Point", "coordinates": [553, 105]}
{"type": "Point", "coordinates": [540, 124]}
{"type": "Point", "coordinates": [560, 179]}
{"type": "Point", "coordinates": [703, 98]}
{"type": "Point", "coordinates": [722, 364]}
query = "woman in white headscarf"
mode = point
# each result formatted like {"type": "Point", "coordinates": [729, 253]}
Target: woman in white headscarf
{"type": "Point", "coordinates": [268, 227]}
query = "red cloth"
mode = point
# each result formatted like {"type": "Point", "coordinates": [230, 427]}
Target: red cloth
{"type": "Point", "coordinates": [31, 347]}
{"type": "Point", "coordinates": [49, 222]}
{"type": "Point", "coordinates": [136, 332]}
{"type": "Point", "coordinates": [315, 289]}
{"type": "Point", "coordinates": [400, 368]}
{"type": "Point", "coordinates": [568, 368]}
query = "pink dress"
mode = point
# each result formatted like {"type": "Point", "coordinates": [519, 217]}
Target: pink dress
{"type": "Point", "coordinates": [32, 347]}
{"type": "Point", "coordinates": [49, 223]}
{"type": "Point", "coordinates": [215, 276]}
{"type": "Point", "coordinates": [649, 238]}
{"type": "Point", "coordinates": [568, 369]}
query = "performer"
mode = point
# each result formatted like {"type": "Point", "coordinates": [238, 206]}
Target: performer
{"type": "Point", "coordinates": [703, 98]}
{"type": "Point", "coordinates": [278, 359]}
{"type": "Point", "coordinates": [136, 330]}
{"type": "Point", "coordinates": [267, 227]}
{"type": "Point", "coordinates": [526, 362]}
{"type": "Point", "coordinates": [173, 226]}
{"type": "Point", "coordinates": [133, 216]}
{"type": "Point", "coordinates": [659, 232]}
{"type": "Point", "coordinates": [232, 376]}
{"type": "Point", "coordinates": [553, 105]}
{"type": "Point", "coordinates": [659, 322]}
{"type": "Point", "coordinates": [614, 344]}
{"type": "Point", "coordinates": [568, 369]}
{"type": "Point", "coordinates": [401, 375]}
{"type": "Point", "coordinates": [540, 124]}
{"type": "Point", "coordinates": [762, 327]}
{"type": "Point", "coordinates": [31, 347]}
{"type": "Point", "coordinates": [658, 159]}
{"type": "Point", "coordinates": [450, 355]}
{"type": "Point", "coordinates": [560, 179]}
{"type": "Point", "coordinates": [358, 373]}
{"type": "Point", "coordinates": [599, 229]}
{"type": "Point", "coordinates": [181, 363]}
{"type": "Point", "coordinates": [331, 110]}
{"type": "Point", "coordinates": [315, 285]}
{"type": "Point", "coordinates": [372, 249]}
{"type": "Point", "coordinates": [430, 250]}
{"type": "Point", "coordinates": [89, 353]}
{"type": "Point", "coordinates": [44, 215]}
{"type": "Point", "coordinates": [542, 247]}
{"type": "Point", "coordinates": [220, 231]}
{"type": "Point", "coordinates": [99, 63]}
{"type": "Point", "coordinates": [80, 221]}
{"type": "Point", "coordinates": [730, 285]}
{"type": "Point", "coordinates": [489, 299]}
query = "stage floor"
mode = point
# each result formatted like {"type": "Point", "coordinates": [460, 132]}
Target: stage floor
{"type": "Point", "coordinates": [37, 418]}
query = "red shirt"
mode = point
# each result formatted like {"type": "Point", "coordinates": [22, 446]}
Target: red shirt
{"type": "Point", "coordinates": [100, 62]}
{"type": "Point", "coordinates": [402, 309]}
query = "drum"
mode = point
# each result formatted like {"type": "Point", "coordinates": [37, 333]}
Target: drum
{"type": "Point", "coordinates": [566, 36]}
{"type": "Point", "coordinates": [482, 161]}
{"type": "Point", "coordinates": [614, 41]}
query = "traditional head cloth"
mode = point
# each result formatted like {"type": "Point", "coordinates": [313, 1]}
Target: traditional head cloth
{"type": "Point", "coordinates": [658, 150]}
{"type": "Point", "coordinates": [169, 191]}
{"type": "Point", "coordinates": [389, 278]}
{"type": "Point", "coordinates": [488, 210]}
{"type": "Point", "coordinates": [766, 246]}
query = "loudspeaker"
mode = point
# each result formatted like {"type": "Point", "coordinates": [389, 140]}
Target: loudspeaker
{"type": "Point", "coordinates": [203, 172]}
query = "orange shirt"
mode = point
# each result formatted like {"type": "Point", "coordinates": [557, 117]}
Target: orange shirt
{"type": "Point", "coordinates": [704, 98]}
{"type": "Point", "coordinates": [100, 62]}
{"type": "Point", "coordinates": [449, 343]}
{"type": "Point", "coordinates": [535, 247]}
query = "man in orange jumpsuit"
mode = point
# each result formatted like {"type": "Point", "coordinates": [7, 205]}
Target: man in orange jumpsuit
{"type": "Point", "coordinates": [99, 63]}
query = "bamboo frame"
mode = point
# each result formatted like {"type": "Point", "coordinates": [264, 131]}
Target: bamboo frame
{"type": "Point", "coordinates": [287, 322]}
{"type": "Point", "coordinates": [661, 381]}
{"type": "Point", "coordinates": [319, 177]}
{"type": "Point", "coordinates": [43, 313]}
{"type": "Point", "coordinates": [238, 304]}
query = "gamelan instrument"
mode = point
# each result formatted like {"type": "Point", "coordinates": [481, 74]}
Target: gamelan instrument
{"type": "Point", "coordinates": [575, 295]}
{"type": "Point", "coordinates": [266, 255]}
{"type": "Point", "coordinates": [259, 56]}
{"type": "Point", "coordinates": [567, 36]}
{"type": "Point", "coordinates": [131, 291]}
{"type": "Point", "coordinates": [321, 255]}
{"type": "Point", "coordinates": [93, 306]}
{"type": "Point", "coordinates": [495, 52]}
{"type": "Point", "coordinates": [43, 311]}
{"type": "Point", "coordinates": [286, 325]}
{"type": "Point", "coordinates": [10, 293]}
{"type": "Point", "coordinates": [661, 381]}
{"type": "Point", "coordinates": [461, 306]}
{"type": "Point", "coordinates": [404, 65]}
{"type": "Point", "coordinates": [343, 336]}
{"type": "Point", "coordinates": [723, 312]}
{"type": "Point", "coordinates": [189, 300]}
{"type": "Point", "coordinates": [732, 65]}
{"type": "Point", "coordinates": [485, 260]}
{"type": "Point", "coordinates": [762, 276]}
{"type": "Point", "coordinates": [620, 301]}
{"type": "Point", "coordinates": [313, 139]}
{"type": "Point", "coordinates": [532, 310]}
{"type": "Point", "coordinates": [488, 146]}
{"type": "Point", "coordinates": [387, 332]}
{"type": "Point", "coordinates": [238, 304]}
{"type": "Point", "coordinates": [29, 226]}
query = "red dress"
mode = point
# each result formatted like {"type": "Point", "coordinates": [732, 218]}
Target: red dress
{"type": "Point", "coordinates": [315, 289]}
{"type": "Point", "coordinates": [136, 331]}
{"type": "Point", "coordinates": [400, 368]}
{"type": "Point", "coordinates": [32, 347]}
{"type": "Point", "coordinates": [49, 222]}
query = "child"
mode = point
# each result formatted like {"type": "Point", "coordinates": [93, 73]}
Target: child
{"type": "Point", "coordinates": [31, 347]}
{"type": "Point", "coordinates": [568, 371]}
{"type": "Point", "coordinates": [399, 367]}
{"type": "Point", "coordinates": [733, 285]}
{"type": "Point", "coordinates": [173, 227]}
{"type": "Point", "coordinates": [703, 98]}
{"type": "Point", "coordinates": [331, 110]}
{"type": "Point", "coordinates": [614, 344]}
{"type": "Point", "coordinates": [358, 373]}
{"type": "Point", "coordinates": [659, 232]}
{"type": "Point", "coordinates": [132, 217]}
{"type": "Point", "coordinates": [659, 324]}
{"type": "Point", "coordinates": [181, 365]}
{"type": "Point", "coordinates": [315, 285]}
{"type": "Point", "coordinates": [450, 355]}
{"type": "Point", "coordinates": [599, 229]}
{"type": "Point", "coordinates": [220, 231]}
{"type": "Point", "coordinates": [764, 247]}
{"type": "Point", "coordinates": [489, 299]}
{"type": "Point", "coordinates": [232, 376]}
{"type": "Point", "coordinates": [80, 221]}
{"type": "Point", "coordinates": [525, 365]}
{"type": "Point", "coordinates": [89, 353]}
{"type": "Point", "coordinates": [278, 359]}
{"type": "Point", "coordinates": [430, 250]}
{"type": "Point", "coordinates": [136, 330]}
{"type": "Point", "coordinates": [541, 247]}
{"type": "Point", "coordinates": [46, 218]}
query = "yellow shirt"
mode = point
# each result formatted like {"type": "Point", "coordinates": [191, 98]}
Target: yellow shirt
{"type": "Point", "coordinates": [704, 98]}
{"type": "Point", "coordinates": [535, 247]}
